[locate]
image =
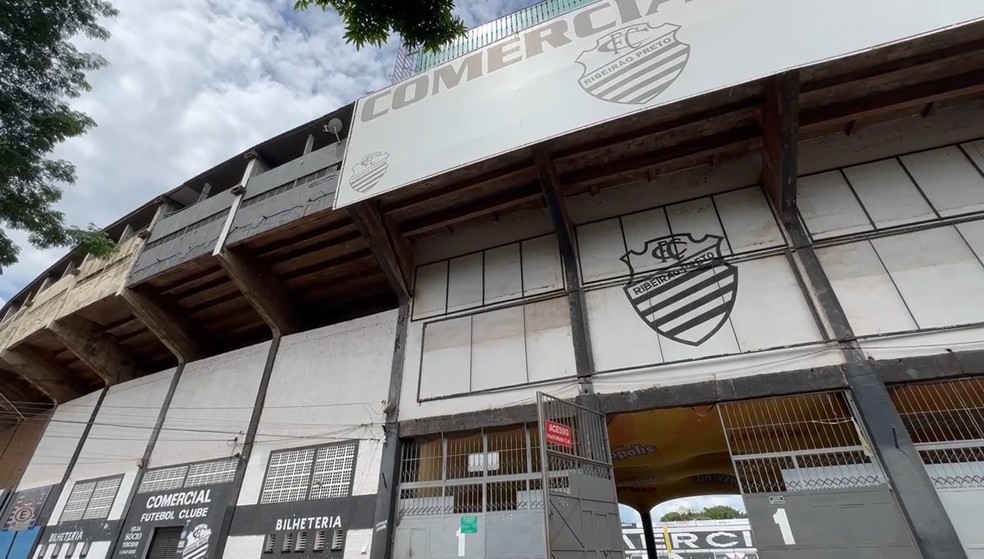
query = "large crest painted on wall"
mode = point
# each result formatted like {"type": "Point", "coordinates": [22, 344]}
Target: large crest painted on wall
{"type": "Point", "coordinates": [681, 286]}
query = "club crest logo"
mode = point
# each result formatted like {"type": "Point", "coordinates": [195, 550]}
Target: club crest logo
{"type": "Point", "coordinates": [634, 64]}
{"type": "Point", "coordinates": [369, 171]}
{"type": "Point", "coordinates": [196, 542]}
{"type": "Point", "coordinates": [681, 287]}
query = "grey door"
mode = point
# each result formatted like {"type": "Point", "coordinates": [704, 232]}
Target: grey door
{"type": "Point", "coordinates": [581, 507]}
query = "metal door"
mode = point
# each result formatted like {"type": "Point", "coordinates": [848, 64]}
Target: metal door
{"type": "Point", "coordinates": [165, 543]}
{"type": "Point", "coordinates": [581, 507]}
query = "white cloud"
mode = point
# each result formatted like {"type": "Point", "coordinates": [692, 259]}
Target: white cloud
{"type": "Point", "coordinates": [193, 82]}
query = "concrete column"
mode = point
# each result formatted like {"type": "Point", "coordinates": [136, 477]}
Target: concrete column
{"type": "Point", "coordinates": [647, 533]}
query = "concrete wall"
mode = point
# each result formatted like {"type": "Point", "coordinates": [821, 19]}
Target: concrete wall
{"type": "Point", "coordinates": [470, 347]}
{"type": "Point", "coordinates": [183, 236]}
{"type": "Point", "coordinates": [97, 278]}
{"type": "Point", "coordinates": [211, 408]}
{"type": "Point", "coordinates": [119, 437]}
{"type": "Point", "coordinates": [328, 385]}
{"type": "Point", "coordinates": [58, 444]}
{"type": "Point", "coordinates": [17, 444]}
{"type": "Point", "coordinates": [273, 198]}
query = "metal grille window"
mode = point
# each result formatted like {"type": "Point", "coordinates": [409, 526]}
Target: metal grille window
{"type": "Point", "coordinates": [189, 475]}
{"type": "Point", "coordinates": [946, 423]}
{"type": "Point", "coordinates": [163, 479]}
{"type": "Point", "coordinates": [798, 443]}
{"type": "Point", "coordinates": [91, 499]}
{"type": "Point", "coordinates": [210, 473]}
{"type": "Point", "coordinates": [309, 473]}
{"type": "Point", "coordinates": [102, 498]}
{"type": "Point", "coordinates": [333, 469]}
{"type": "Point", "coordinates": [471, 472]}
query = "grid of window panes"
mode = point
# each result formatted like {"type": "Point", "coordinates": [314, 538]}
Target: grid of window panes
{"type": "Point", "coordinates": [189, 475]}
{"type": "Point", "coordinates": [309, 473]}
{"type": "Point", "coordinates": [91, 499]}
{"type": "Point", "coordinates": [163, 479]}
{"type": "Point", "coordinates": [211, 473]}
{"type": "Point", "coordinates": [333, 469]}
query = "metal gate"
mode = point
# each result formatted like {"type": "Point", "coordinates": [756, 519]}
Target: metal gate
{"type": "Point", "coordinates": [946, 422]}
{"type": "Point", "coordinates": [581, 507]}
{"type": "Point", "coordinates": [811, 484]}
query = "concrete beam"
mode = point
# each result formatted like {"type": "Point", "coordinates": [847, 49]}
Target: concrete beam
{"type": "Point", "coordinates": [9, 406]}
{"type": "Point", "coordinates": [42, 371]}
{"type": "Point", "coordinates": [916, 496]}
{"type": "Point", "coordinates": [780, 133]}
{"type": "Point", "coordinates": [391, 251]}
{"type": "Point", "coordinates": [98, 350]}
{"type": "Point", "coordinates": [550, 185]}
{"type": "Point", "coordinates": [170, 326]}
{"type": "Point", "coordinates": [262, 289]}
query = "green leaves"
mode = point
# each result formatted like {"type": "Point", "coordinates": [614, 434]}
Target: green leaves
{"type": "Point", "coordinates": [429, 24]}
{"type": "Point", "coordinates": [39, 71]}
{"type": "Point", "coordinates": [717, 512]}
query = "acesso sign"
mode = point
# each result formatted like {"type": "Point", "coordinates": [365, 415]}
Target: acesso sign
{"type": "Point", "coordinates": [604, 61]}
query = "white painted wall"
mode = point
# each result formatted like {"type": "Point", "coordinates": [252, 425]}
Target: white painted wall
{"type": "Point", "coordinates": [328, 385]}
{"type": "Point", "coordinates": [118, 437]}
{"type": "Point", "coordinates": [917, 280]}
{"type": "Point", "coordinates": [357, 544]}
{"type": "Point", "coordinates": [464, 341]}
{"type": "Point", "coordinates": [58, 444]}
{"type": "Point", "coordinates": [123, 427]}
{"type": "Point", "coordinates": [552, 351]}
{"type": "Point", "coordinates": [242, 547]}
{"type": "Point", "coordinates": [210, 411]}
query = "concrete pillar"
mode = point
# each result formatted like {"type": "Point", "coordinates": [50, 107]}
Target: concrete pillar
{"type": "Point", "coordinates": [647, 533]}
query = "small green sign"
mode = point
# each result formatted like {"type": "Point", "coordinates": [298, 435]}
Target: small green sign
{"type": "Point", "coordinates": [469, 525]}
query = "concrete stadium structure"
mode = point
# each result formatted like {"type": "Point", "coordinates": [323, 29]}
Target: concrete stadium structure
{"type": "Point", "coordinates": [692, 247]}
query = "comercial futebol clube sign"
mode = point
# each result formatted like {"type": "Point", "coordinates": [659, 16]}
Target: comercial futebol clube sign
{"type": "Point", "coordinates": [604, 61]}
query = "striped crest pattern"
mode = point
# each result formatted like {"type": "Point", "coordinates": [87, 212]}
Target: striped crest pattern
{"type": "Point", "coordinates": [681, 287]}
{"type": "Point", "coordinates": [635, 64]}
{"type": "Point", "coordinates": [196, 543]}
{"type": "Point", "coordinates": [367, 173]}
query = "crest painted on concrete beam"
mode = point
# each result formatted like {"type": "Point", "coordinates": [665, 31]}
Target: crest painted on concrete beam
{"type": "Point", "coordinates": [682, 287]}
{"type": "Point", "coordinates": [635, 64]}
{"type": "Point", "coordinates": [367, 173]}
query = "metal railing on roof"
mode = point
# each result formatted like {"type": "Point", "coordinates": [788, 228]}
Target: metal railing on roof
{"type": "Point", "coordinates": [412, 62]}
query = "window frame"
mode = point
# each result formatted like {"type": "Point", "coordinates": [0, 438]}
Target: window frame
{"type": "Point", "coordinates": [354, 443]}
{"type": "Point", "coordinates": [95, 484]}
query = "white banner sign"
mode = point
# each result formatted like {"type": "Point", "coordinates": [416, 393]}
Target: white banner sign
{"type": "Point", "coordinates": [606, 60]}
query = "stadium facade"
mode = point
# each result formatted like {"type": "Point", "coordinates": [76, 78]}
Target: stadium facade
{"type": "Point", "coordinates": [638, 251]}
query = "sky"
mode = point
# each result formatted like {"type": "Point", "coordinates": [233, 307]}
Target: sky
{"type": "Point", "coordinates": [693, 503]}
{"type": "Point", "coordinates": [191, 83]}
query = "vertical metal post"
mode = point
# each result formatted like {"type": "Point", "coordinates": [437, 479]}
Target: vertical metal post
{"type": "Point", "coordinates": [545, 471]}
{"type": "Point", "coordinates": [648, 536]}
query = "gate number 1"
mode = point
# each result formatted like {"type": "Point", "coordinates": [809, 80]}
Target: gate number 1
{"type": "Point", "coordinates": [782, 521]}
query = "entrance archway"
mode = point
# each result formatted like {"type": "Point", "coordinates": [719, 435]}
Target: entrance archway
{"type": "Point", "coordinates": [661, 455]}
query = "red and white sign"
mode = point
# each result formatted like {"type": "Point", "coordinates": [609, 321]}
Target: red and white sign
{"type": "Point", "coordinates": [559, 434]}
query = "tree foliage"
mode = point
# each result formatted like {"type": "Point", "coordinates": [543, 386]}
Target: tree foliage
{"type": "Point", "coordinates": [40, 71]}
{"type": "Point", "coordinates": [717, 512]}
{"type": "Point", "coordinates": [421, 23]}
